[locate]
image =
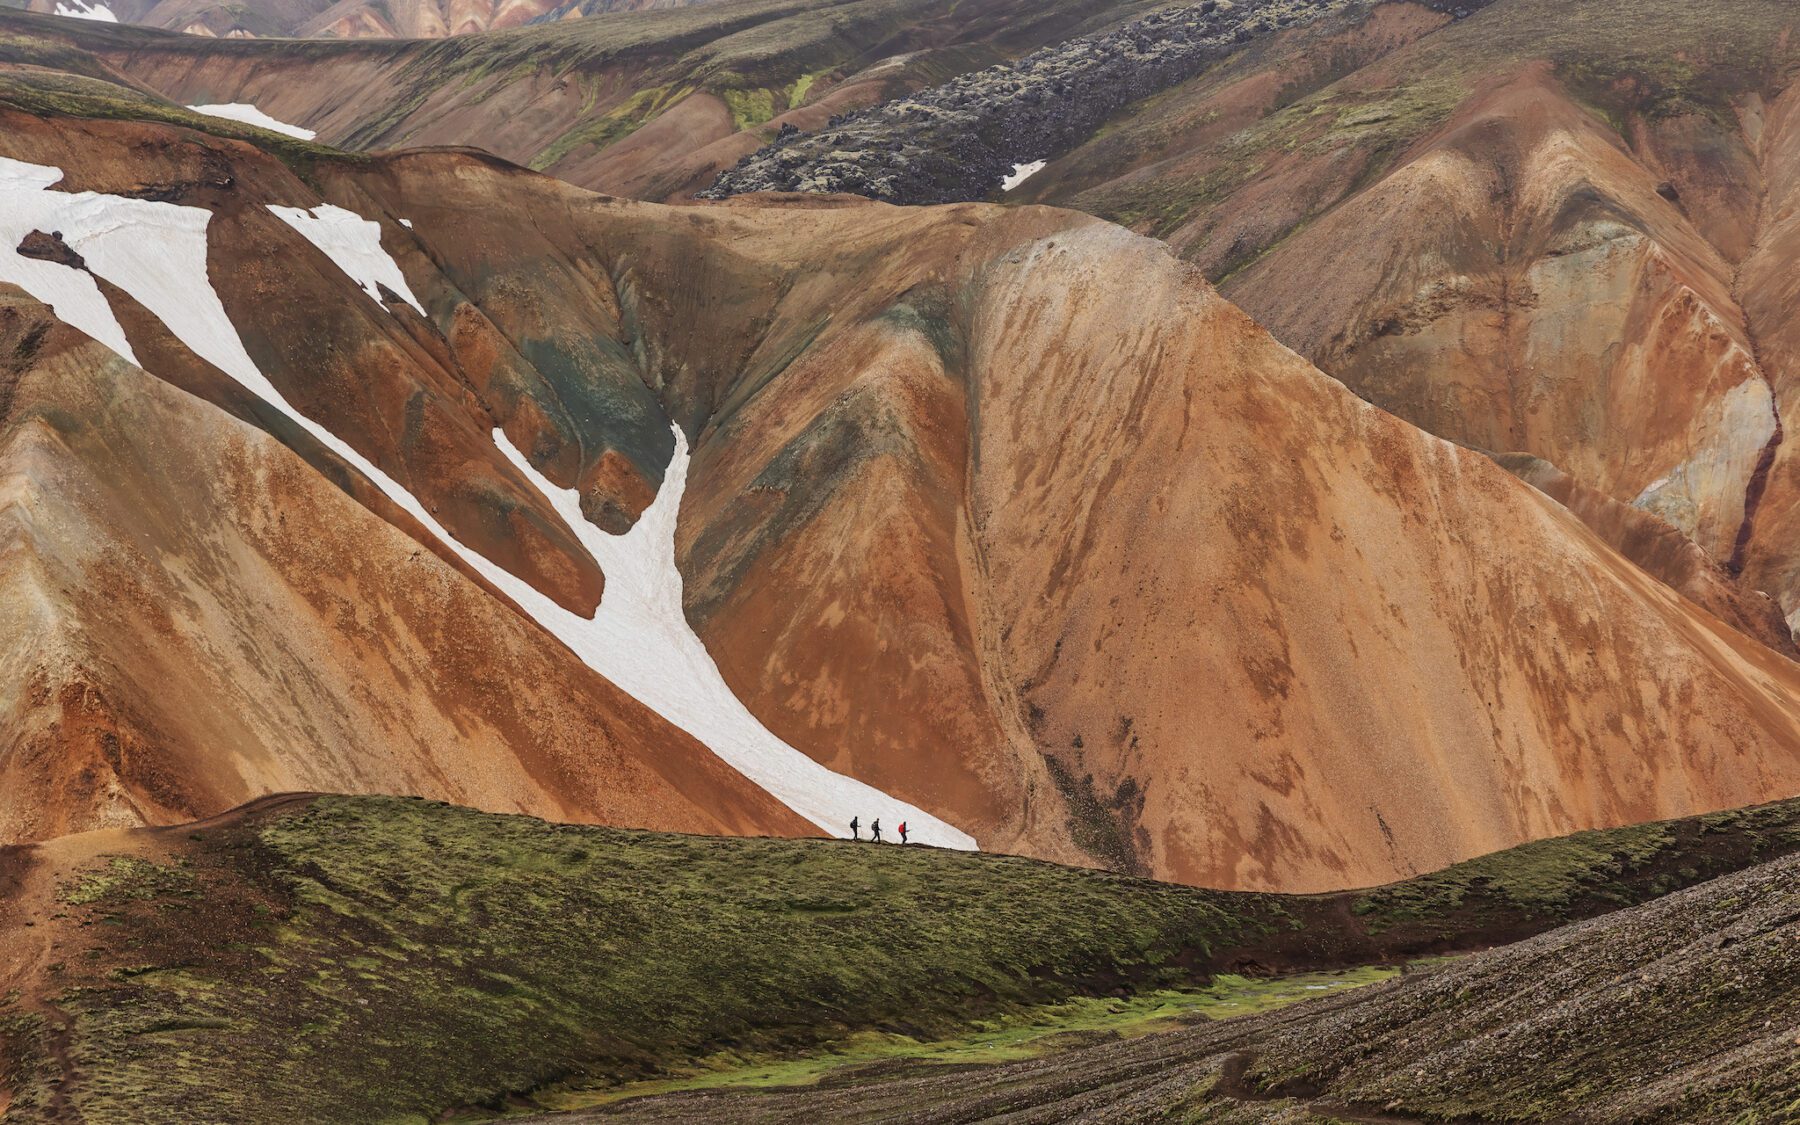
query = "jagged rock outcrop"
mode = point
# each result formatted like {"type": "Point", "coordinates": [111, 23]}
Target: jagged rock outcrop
{"type": "Point", "coordinates": [650, 105]}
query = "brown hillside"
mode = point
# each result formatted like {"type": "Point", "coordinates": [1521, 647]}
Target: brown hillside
{"type": "Point", "coordinates": [1004, 512]}
{"type": "Point", "coordinates": [1554, 228]}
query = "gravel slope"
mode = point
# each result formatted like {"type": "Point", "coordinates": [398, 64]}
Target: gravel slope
{"type": "Point", "coordinates": [1685, 1009]}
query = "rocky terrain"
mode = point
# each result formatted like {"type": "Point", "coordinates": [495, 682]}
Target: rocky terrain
{"type": "Point", "coordinates": [336, 959]}
{"type": "Point", "coordinates": [960, 141]}
{"type": "Point", "coordinates": [649, 104]}
{"type": "Point", "coordinates": [1682, 1010]}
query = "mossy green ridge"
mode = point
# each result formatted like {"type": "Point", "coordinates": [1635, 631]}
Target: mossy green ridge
{"type": "Point", "coordinates": [377, 959]}
{"type": "Point", "coordinates": [1583, 874]}
{"type": "Point", "coordinates": [46, 77]}
{"type": "Point", "coordinates": [1680, 1011]}
{"type": "Point", "coordinates": [529, 953]}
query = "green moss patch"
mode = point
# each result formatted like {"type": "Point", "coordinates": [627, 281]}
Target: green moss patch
{"type": "Point", "coordinates": [750, 108]}
{"type": "Point", "coordinates": [1579, 875]}
{"type": "Point", "coordinates": [1007, 1038]}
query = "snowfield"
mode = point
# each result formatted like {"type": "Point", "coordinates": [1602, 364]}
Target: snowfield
{"type": "Point", "coordinates": [638, 638]}
{"type": "Point", "coordinates": [80, 10]}
{"type": "Point", "coordinates": [1021, 173]}
{"type": "Point", "coordinates": [25, 206]}
{"type": "Point", "coordinates": [354, 243]}
{"type": "Point", "coordinates": [250, 115]}
{"type": "Point", "coordinates": [667, 668]}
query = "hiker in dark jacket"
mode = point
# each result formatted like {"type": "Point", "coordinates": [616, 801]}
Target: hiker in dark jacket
{"type": "Point", "coordinates": [875, 830]}
{"type": "Point", "coordinates": [903, 832]}
{"type": "Point", "coordinates": [853, 829]}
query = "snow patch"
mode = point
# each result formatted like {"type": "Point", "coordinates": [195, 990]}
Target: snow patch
{"type": "Point", "coordinates": [354, 243]}
{"type": "Point", "coordinates": [1021, 173]}
{"type": "Point", "coordinates": [638, 638]}
{"type": "Point", "coordinates": [89, 223]}
{"type": "Point", "coordinates": [250, 115]}
{"type": "Point", "coordinates": [81, 10]}
{"type": "Point", "coordinates": [407, 223]}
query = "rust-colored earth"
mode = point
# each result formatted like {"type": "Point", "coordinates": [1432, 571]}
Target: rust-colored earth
{"type": "Point", "coordinates": [1002, 510]}
{"type": "Point", "coordinates": [1544, 230]}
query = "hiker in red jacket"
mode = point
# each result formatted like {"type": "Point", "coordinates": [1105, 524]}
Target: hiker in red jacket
{"type": "Point", "coordinates": [903, 832]}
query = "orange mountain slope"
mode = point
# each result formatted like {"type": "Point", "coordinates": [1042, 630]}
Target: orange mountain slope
{"type": "Point", "coordinates": [1004, 512]}
{"type": "Point", "coordinates": [1580, 241]}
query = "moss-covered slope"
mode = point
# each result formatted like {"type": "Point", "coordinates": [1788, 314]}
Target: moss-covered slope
{"type": "Point", "coordinates": [1681, 1011]}
{"type": "Point", "coordinates": [332, 959]}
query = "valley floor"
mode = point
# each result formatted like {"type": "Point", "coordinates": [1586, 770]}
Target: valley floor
{"type": "Point", "coordinates": [1053, 1029]}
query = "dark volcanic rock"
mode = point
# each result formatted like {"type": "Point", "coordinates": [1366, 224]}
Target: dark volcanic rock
{"type": "Point", "coordinates": [50, 248]}
{"type": "Point", "coordinates": [958, 141]}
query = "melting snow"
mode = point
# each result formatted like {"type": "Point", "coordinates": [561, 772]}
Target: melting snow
{"type": "Point", "coordinates": [354, 243]}
{"type": "Point", "coordinates": [407, 223]}
{"type": "Point", "coordinates": [81, 10]}
{"type": "Point", "coordinates": [250, 115]}
{"type": "Point", "coordinates": [639, 637]}
{"type": "Point", "coordinates": [1021, 173]}
{"type": "Point", "coordinates": [83, 218]}
{"type": "Point", "coordinates": [667, 668]}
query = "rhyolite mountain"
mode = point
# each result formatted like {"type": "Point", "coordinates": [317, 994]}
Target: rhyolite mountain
{"type": "Point", "coordinates": [1582, 252]}
{"type": "Point", "coordinates": [1586, 262]}
{"type": "Point", "coordinates": [1002, 513]}
{"type": "Point", "coordinates": [679, 426]}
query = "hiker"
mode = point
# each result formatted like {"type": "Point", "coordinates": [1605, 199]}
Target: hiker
{"type": "Point", "coordinates": [903, 832]}
{"type": "Point", "coordinates": [853, 829]}
{"type": "Point", "coordinates": [875, 830]}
